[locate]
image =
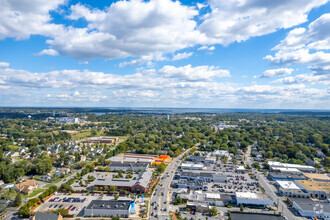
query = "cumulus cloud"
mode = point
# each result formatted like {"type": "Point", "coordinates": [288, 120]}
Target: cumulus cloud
{"type": "Point", "coordinates": [50, 52]}
{"type": "Point", "coordinates": [239, 20]}
{"type": "Point", "coordinates": [276, 73]}
{"type": "Point", "coordinates": [305, 78]}
{"type": "Point", "coordinates": [138, 28]}
{"type": "Point", "coordinates": [21, 18]}
{"type": "Point", "coordinates": [130, 29]}
{"type": "Point", "coordinates": [167, 86]}
{"type": "Point", "coordinates": [194, 73]}
{"type": "Point", "coordinates": [307, 46]}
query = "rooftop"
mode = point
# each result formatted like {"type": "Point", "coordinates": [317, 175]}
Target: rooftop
{"type": "Point", "coordinates": [109, 204]}
{"type": "Point", "coordinates": [315, 185]}
{"type": "Point", "coordinates": [309, 204]}
{"type": "Point", "coordinates": [287, 185]}
{"type": "Point", "coordinates": [253, 216]}
{"type": "Point", "coordinates": [286, 175]}
{"type": "Point", "coordinates": [46, 216]}
{"type": "Point", "coordinates": [251, 196]}
{"type": "Point", "coordinates": [317, 176]}
{"type": "Point", "coordinates": [288, 165]}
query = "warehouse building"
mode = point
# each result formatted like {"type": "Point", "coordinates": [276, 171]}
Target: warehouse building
{"type": "Point", "coordinates": [275, 165]}
{"type": "Point", "coordinates": [254, 216]}
{"type": "Point", "coordinates": [248, 198]}
{"type": "Point", "coordinates": [285, 176]}
{"type": "Point", "coordinates": [192, 166]}
{"type": "Point", "coordinates": [107, 208]}
{"type": "Point", "coordinates": [115, 166]}
{"type": "Point", "coordinates": [290, 188]}
{"type": "Point", "coordinates": [310, 208]}
{"type": "Point", "coordinates": [202, 176]}
{"type": "Point", "coordinates": [315, 189]}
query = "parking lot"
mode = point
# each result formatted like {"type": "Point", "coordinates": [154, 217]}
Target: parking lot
{"type": "Point", "coordinates": [74, 203]}
{"type": "Point", "coordinates": [236, 181]}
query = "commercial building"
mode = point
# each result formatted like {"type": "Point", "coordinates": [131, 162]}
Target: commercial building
{"type": "Point", "coordinates": [275, 165]}
{"type": "Point", "coordinates": [202, 197]}
{"type": "Point", "coordinates": [138, 184]}
{"type": "Point", "coordinates": [162, 159]}
{"type": "Point", "coordinates": [114, 166]}
{"type": "Point", "coordinates": [254, 216]}
{"type": "Point", "coordinates": [202, 176]}
{"type": "Point", "coordinates": [285, 176]}
{"type": "Point", "coordinates": [317, 177]}
{"type": "Point", "coordinates": [286, 170]}
{"type": "Point", "coordinates": [289, 188]}
{"type": "Point", "coordinates": [134, 158]}
{"type": "Point", "coordinates": [101, 140]}
{"type": "Point", "coordinates": [192, 166]}
{"type": "Point", "coordinates": [315, 189]}
{"type": "Point", "coordinates": [188, 184]}
{"type": "Point", "coordinates": [311, 208]}
{"type": "Point", "coordinates": [107, 208]}
{"type": "Point", "coordinates": [46, 216]}
{"type": "Point", "coordinates": [248, 198]}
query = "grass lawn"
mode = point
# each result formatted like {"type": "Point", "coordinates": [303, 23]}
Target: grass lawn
{"type": "Point", "coordinates": [48, 185]}
{"type": "Point", "coordinates": [83, 134]}
{"type": "Point", "coordinates": [34, 193]}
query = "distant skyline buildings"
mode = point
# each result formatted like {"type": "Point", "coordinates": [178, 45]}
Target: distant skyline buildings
{"type": "Point", "coordinates": [163, 53]}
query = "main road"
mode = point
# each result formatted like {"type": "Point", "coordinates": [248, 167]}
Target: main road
{"type": "Point", "coordinates": [269, 190]}
{"type": "Point", "coordinates": [160, 199]}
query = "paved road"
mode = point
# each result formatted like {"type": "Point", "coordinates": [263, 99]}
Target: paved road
{"type": "Point", "coordinates": [160, 200]}
{"type": "Point", "coordinates": [270, 191]}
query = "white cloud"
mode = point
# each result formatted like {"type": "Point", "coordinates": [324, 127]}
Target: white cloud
{"type": "Point", "coordinates": [180, 56]}
{"type": "Point", "coordinates": [204, 47]}
{"type": "Point", "coordinates": [168, 86]}
{"type": "Point", "coordinates": [130, 29]}
{"type": "Point", "coordinates": [276, 73]}
{"type": "Point", "coordinates": [239, 20]}
{"type": "Point", "coordinates": [21, 18]}
{"type": "Point", "coordinates": [307, 46]}
{"type": "Point", "coordinates": [194, 73]}
{"type": "Point", "coordinates": [305, 78]}
{"type": "Point", "coordinates": [50, 52]}
{"type": "Point", "coordinates": [138, 29]}
{"type": "Point", "coordinates": [4, 64]}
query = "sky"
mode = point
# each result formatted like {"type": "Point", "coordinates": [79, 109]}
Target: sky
{"type": "Point", "coordinates": [164, 53]}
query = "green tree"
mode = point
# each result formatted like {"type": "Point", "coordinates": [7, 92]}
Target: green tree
{"type": "Point", "coordinates": [18, 200]}
{"type": "Point", "coordinates": [214, 211]}
{"type": "Point", "coordinates": [241, 208]}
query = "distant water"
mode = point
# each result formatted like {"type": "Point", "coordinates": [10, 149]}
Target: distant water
{"type": "Point", "coordinates": [100, 111]}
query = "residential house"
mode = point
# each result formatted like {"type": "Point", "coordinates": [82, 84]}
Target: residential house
{"type": "Point", "coordinates": [27, 186]}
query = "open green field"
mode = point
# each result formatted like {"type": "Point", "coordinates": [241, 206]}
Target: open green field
{"type": "Point", "coordinates": [83, 134]}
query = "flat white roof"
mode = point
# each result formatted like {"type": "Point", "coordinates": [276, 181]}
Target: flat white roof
{"type": "Point", "coordinates": [288, 165]}
{"type": "Point", "coordinates": [212, 195]}
{"type": "Point", "coordinates": [191, 165]}
{"type": "Point", "coordinates": [286, 169]}
{"type": "Point", "coordinates": [246, 195]}
{"type": "Point", "coordinates": [287, 184]}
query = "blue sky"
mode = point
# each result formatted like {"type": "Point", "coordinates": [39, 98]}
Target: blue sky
{"type": "Point", "coordinates": [163, 53]}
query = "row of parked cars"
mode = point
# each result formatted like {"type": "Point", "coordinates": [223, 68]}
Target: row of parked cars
{"type": "Point", "coordinates": [69, 199]}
